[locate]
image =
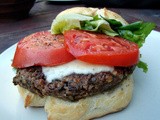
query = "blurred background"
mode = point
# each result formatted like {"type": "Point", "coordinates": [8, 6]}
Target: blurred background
{"type": "Point", "coordinates": [15, 8]}
{"type": "Point", "coordinates": [19, 18]}
{"type": "Point", "coordinates": [21, 8]}
{"type": "Point", "coordinates": [124, 3]}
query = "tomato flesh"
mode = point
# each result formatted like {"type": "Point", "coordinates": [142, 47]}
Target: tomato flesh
{"type": "Point", "coordinates": [101, 49]}
{"type": "Point", "coordinates": [41, 49]}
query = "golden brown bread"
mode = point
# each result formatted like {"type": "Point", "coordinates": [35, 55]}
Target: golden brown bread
{"type": "Point", "coordinates": [90, 107]}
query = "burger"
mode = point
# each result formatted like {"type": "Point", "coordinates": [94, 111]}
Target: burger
{"type": "Point", "coordinates": [82, 67]}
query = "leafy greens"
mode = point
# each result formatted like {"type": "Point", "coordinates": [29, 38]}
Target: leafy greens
{"type": "Point", "coordinates": [135, 32]}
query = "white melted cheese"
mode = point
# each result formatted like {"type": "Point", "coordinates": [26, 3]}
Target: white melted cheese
{"type": "Point", "coordinates": [75, 66]}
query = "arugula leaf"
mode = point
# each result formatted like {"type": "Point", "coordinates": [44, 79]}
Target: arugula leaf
{"type": "Point", "coordinates": [131, 36]}
{"type": "Point", "coordinates": [143, 65]}
{"type": "Point", "coordinates": [146, 28]}
{"type": "Point", "coordinates": [132, 26]}
{"type": "Point", "coordinates": [113, 23]}
{"type": "Point", "coordinates": [136, 32]}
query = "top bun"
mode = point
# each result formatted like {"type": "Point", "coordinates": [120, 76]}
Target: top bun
{"type": "Point", "coordinates": [93, 12]}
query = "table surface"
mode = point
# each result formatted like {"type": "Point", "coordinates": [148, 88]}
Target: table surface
{"type": "Point", "coordinates": [42, 14]}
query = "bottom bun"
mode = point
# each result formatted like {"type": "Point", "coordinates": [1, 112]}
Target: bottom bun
{"type": "Point", "coordinates": [84, 109]}
{"type": "Point", "coordinates": [31, 99]}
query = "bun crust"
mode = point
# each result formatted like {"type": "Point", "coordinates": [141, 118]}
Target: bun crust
{"type": "Point", "coordinates": [93, 12]}
{"type": "Point", "coordinates": [31, 99]}
{"type": "Point", "coordinates": [84, 109]}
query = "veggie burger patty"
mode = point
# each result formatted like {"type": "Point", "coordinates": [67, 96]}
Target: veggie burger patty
{"type": "Point", "coordinates": [72, 87]}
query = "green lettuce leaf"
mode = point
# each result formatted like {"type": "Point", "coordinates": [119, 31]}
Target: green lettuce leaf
{"type": "Point", "coordinates": [113, 23]}
{"type": "Point", "coordinates": [132, 26]}
{"type": "Point", "coordinates": [59, 27]}
{"type": "Point", "coordinates": [68, 22]}
{"type": "Point", "coordinates": [143, 66]}
{"type": "Point", "coordinates": [139, 39]}
{"type": "Point", "coordinates": [135, 32]}
{"type": "Point", "coordinates": [98, 26]}
{"type": "Point", "coordinates": [83, 22]}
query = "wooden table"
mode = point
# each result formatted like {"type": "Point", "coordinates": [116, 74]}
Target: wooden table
{"type": "Point", "coordinates": [42, 14]}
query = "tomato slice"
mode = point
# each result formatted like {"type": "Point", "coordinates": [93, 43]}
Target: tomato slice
{"type": "Point", "coordinates": [41, 49]}
{"type": "Point", "coordinates": [101, 49]}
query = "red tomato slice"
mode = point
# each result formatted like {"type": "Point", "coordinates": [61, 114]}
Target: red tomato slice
{"type": "Point", "coordinates": [41, 49]}
{"type": "Point", "coordinates": [101, 49]}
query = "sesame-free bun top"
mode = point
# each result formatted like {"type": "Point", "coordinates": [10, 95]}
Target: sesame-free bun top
{"type": "Point", "coordinates": [93, 12]}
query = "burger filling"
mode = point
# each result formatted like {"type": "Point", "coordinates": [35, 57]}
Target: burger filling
{"type": "Point", "coordinates": [71, 85]}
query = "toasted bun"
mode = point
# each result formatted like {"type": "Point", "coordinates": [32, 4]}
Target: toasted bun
{"type": "Point", "coordinates": [84, 109]}
{"type": "Point", "coordinates": [93, 12]}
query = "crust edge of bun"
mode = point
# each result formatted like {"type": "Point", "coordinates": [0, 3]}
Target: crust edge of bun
{"type": "Point", "coordinates": [89, 11]}
{"type": "Point", "coordinates": [31, 99]}
{"type": "Point", "coordinates": [84, 109]}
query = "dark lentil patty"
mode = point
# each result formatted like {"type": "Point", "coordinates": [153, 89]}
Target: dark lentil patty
{"type": "Point", "coordinates": [72, 87]}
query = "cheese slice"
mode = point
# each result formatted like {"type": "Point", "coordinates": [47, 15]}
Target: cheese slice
{"type": "Point", "coordinates": [75, 66]}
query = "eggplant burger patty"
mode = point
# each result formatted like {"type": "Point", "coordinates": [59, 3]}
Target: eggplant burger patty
{"type": "Point", "coordinates": [72, 87]}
